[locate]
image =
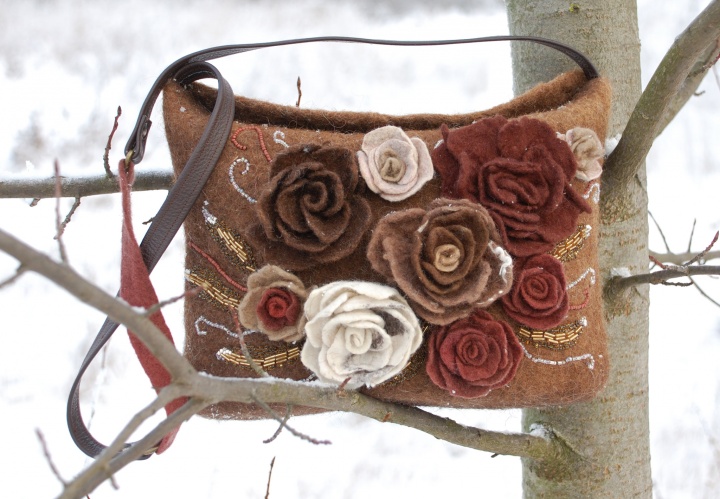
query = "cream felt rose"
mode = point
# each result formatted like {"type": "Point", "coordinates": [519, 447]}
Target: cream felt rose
{"type": "Point", "coordinates": [358, 330]}
{"type": "Point", "coordinates": [588, 151]}
{"type": "Point", "coordinates": [394, 165]}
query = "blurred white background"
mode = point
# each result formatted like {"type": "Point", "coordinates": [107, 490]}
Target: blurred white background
{"type": "Point", "coordinates": [64, 69]}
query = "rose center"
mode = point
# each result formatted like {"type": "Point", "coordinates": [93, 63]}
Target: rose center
{"type": "Point", "coordinates": [277, 307]}
{"type": "Point", "coordinates": [392, 169]}
{"type": "Point", "coordinates": [447, 257]}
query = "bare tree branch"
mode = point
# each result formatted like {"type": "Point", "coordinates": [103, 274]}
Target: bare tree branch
{"type": "Point", "coordinates": [7, 282]}
{"type": "Point", "coordinates": [671, 74]}
{"type": "Point", "coordinates": [110, 461]}
{"type": "Point", "coordinates": [204, 390]}
{"type": "Point", "coordinates": [75, 187]}
{"type": "Point", "coordinates": [108, 146]}
{"type": "Point", "coordinates": [58, 224]}
{"type": "Point", "coordinates": [689, 87]}
{"type": "Point", "coordinates": [71, 281]}
{"type": "Point", "coordinates": [272, 464]}
{"type": "Point", "coordinates": [617, 284]}
{"type": "Point", "coordinates": [48, 457]}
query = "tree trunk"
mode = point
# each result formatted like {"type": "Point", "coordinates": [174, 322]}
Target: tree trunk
{"type": "Point", "coordinates": [612, 432]}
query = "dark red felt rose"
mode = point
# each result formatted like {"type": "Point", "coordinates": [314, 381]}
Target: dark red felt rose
{"type": "Point", "coordinates": [446, 259]}
{"type": "Point", "coordinates": [521, 172]}
{"type": "Point", "coordinates": [538, 297]}
{"type": "Point", "coordinates": [474, 355]}
{"type": "Point", "coordinates": [278, 308]}
{"type": "Point", "coordinates": [310, 212]}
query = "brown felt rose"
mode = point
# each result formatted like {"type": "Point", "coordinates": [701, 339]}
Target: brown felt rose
{"type": "Point", "coordinates": [521, 172]}
{"type": "Point", "coordinates": [273, 304]}
{"type": "Point", "coordinates": [474, 355]}
{"type": "Point", "coordinates": [446, 259]}
{"type": "Point", "coordinates": [538, 297]}
{"type": "Point", "coordinates": [394, 165]}
{"type": "Point", "coordinates": [311, 211]}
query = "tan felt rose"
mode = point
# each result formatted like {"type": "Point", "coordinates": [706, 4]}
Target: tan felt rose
{"type": "Point", "coordinates": [273, 304]}
{"type": "Point", "coordinates": [394, 165]}
{"type": "Point", "coordinates": [447, 260]}
{"type": "Point", "coordinates": [588, 151]}
{"type": "Point", "coordinates": [358, 330]}
{"type": "Point", "coordinates": [311, 212]}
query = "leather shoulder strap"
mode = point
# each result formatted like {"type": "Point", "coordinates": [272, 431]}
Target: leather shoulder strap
{"type": "Point", "coordinates": [187, 187]}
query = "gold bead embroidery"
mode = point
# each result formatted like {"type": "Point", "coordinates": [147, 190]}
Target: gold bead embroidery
{"type": "Point", "coordinates": [557, 338]}
{"type": "Point", "coordinates": [267, 362]}
{"type": "Point", "coordinates": [569, 248]}
{"type": "Point", "coordinates": [213, 290]}
{"type": "Point", "coordinates": [231, 242]}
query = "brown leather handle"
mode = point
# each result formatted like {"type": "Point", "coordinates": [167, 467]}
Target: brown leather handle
{"type": "Point", "coordinates": [199, 166]}
{"type": "Point", "coordinates": [165, 225]}
{"type": "Point", "coordinates": [136, 143]}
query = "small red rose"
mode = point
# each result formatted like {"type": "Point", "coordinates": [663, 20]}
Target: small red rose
{"type": "Point", "coordinates": [473, 356]}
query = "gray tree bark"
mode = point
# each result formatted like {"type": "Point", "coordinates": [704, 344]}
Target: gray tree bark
{"type": "Point", "coordinates": [611, 432]}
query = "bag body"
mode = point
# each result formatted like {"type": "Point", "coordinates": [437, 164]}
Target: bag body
{"type": "Point", "coordinates": [484, 225]}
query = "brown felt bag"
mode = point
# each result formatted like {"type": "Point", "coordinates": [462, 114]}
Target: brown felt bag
{"type": "Point", "coordinates": [433, 260]}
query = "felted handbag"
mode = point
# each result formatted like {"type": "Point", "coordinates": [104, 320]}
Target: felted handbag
{"type": "Point", "coordinates": [428, 259]}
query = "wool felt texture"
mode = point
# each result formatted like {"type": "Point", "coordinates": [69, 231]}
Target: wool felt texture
{"type": "Point", "coordinates": [137, 290]}
{"type": "Point", "coordinates": [289, 191]}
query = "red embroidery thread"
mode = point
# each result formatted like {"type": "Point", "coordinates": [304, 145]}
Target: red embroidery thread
{"type": "Point", "coordinates": [237, 144]}
{"type": "Point", "coordinates": [217, 267]}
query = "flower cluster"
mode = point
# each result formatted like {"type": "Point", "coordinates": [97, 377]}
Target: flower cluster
{"type": "Point", "coordinates": [507, 201]}
{"type": "Point", "coordinates": [441, 258]}
{"type": "Point", "coordinates": [521, 172]}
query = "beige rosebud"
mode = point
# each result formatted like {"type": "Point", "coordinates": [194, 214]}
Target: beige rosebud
{"type": "Point", "coordinates": [273, 304]}
{"type": "Point", "coordinates": [359, 330]}
{"type": "Point", "coordinates": [588, 151]}
{"type": "Point", "coordinates": [394, 165]}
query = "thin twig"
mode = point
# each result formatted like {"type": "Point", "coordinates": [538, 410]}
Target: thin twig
{"type": "Point", "coordinates": [251, 362]}
{"type": "Point", "coordinates": [108, 146]}
{"type": "Point", "coordinates": [58, 223]}
{"type": "Point", "coordinates": [692, 233]}
{"type": "Point", "coordinates": [48, 457]}
{"type": "Point", "coordinates": [267, 491]}
{"type": "Point", "coordinates": [7, 282]}
{"type": "Point", "coordinates": [277, 418]}
{"type": "Point", "coordinates": [662, 234]}
{"type": "Point", "coordinates": [187, 294]}
{"type": "Point", "coordinates": [702, 292]}
{"type": "Point", "coordinates": [683, 258]}
{"type": "Point", "coordinates": [68, 217]}
{"type": "Point", "coordinates": [297, 104]}
{"type": "Point", "coordinates": [288, 411]}
{"type": "Point", "coordinates": [700, 257]}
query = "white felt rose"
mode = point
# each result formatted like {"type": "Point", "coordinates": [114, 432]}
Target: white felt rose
{"type": "Point", "coordinates": [394, 165]}
{"type": "Point", "coordinates": [358, 330]}
{"type": "Point", "coordinates": [588, 151]}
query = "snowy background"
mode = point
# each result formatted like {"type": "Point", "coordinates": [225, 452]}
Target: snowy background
{"type": "Point", "coordinates": [64, 69]}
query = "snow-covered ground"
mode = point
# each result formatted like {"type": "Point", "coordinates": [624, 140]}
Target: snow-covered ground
{"type": "Point", "coordinates": [64, 69]}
